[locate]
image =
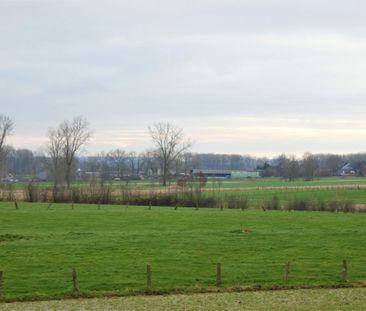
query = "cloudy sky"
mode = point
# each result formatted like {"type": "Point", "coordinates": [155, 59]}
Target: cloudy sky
{"type": "Point", "coordinates": [251, 77]}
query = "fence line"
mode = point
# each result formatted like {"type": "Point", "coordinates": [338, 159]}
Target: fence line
{"type": "Point", "coordinates": [217, 282]}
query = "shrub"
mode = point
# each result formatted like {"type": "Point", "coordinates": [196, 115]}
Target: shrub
{"type": "Point", "coordinates": [298, 204]}
{"type": "Point", "coordinates": [271, 204]}
{"type": "Point", "coordinates": [236, 201]}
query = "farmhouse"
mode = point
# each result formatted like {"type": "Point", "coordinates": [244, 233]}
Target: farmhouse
{"type": "Point", "coordinates": [347, 170]}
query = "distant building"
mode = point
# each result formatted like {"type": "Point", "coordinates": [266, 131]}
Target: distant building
{"type": "Point", "coordinates": [347, 170]}
{"type": "Point", "coordinates": [42, 176]}
{"type": "Point", "coordinates": [226, 174]}
{"type": "Point", "coordinates": [9, 178]}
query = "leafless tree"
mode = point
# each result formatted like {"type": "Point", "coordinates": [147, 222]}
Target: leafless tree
{"type": "Point", "coordinates": [118, 159]}
{"type": "Point", "coordinates": [6, 129]}
{"type": "Point", "coordinates": [54, 159]}
{"type": "Point", "coordinates": [310, 165]}
{"type": "Point", "coordinates": [66, 141]}
{"type": "Point", "coordinates": [170, 145]}
{"type": "Point", "coordinates": [132, 163]}
{"type": "Point", "coordinates": [149, 163]}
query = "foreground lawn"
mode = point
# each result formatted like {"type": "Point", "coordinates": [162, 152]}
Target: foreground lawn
{"type": "Point", "coordinates": [294, 300]}
{"type": "Point", "coordinates": [110, 247]}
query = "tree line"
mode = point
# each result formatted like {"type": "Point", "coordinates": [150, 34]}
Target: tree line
{"type": "Point", "coordinates": [170, 155]}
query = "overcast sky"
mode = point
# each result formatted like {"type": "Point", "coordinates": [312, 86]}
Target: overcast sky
{"type": "Point", "coordinates": [250, 77]}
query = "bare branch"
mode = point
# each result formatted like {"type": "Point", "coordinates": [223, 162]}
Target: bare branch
{"type": "Point", "coordinates": [6, 129]}
{"type": "Point", "coordinates": [170, 145]}
{"type": "Point", "coordinates": [66, 141]}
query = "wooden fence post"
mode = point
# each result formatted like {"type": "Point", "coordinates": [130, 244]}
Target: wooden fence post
{"type": "Point", "coordinates": [286, 273]}
{"type": "Point", "coordinates": [75, 285]}
{"type": "Point", "coordinates": [148, 276]}
{"type": "Point", "coordinates": [218, 274]}
{"type": "Point", "coordinates": [344, 275]}
{"type": "Point", "coordinates": [1, 283]}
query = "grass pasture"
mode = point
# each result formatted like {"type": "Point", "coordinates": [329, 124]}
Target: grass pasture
{"type": "Point", "coordinates": [110, 247]}
{"type": "Point", "coordinates": [257, 191]}
{"type": "Point", "coordinates": [255, 197]}
{"type": "Point", "coordinates": [280, 182]}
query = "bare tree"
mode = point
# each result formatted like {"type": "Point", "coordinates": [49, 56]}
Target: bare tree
{"type": "Point", "coordinates": [132, 163]}
{"type": "Point", "coordinates": [6, 129]}
{"type": "Point", "coordinates": [170, 145]}
{"type": "Point", "coordinates": [118, 159]}
{"type": "Point", "coordinates": [149, 163]}
{"type": "Point", "coordinates": [66, 141]}
{"type": "Point", "coordinates": [310, 165]}
{"type": "Point", "coordinates": [54, 159]}
{"type": "Point", "coordinates": [292, 170]}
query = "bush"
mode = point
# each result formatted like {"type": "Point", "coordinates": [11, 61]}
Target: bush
{"type": "Point", "coordinates": [298, 204]}
{"type": "Point", "coordinates": [272, 204]}
{"type": "Point", "coordinates": [236, 201]}
{"type": "Point", "coordinates": [345, 206]}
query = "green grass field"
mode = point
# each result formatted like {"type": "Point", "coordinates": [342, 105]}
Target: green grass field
{"type": "Point", "coordinates": [110, 247]}
{"type": "Point", "coordinates": [279, 182]}
{"type": "Point", "coordinates": [255, 197]}
{"type": "Point", "coordinates": [256, 190]}
{"type": "Point", "coordinates": [293, 300]}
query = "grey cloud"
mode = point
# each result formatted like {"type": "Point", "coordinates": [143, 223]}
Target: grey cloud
{"type": "Point", "coordinates": [134, 62]}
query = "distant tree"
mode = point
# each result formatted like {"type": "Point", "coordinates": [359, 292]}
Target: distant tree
{"type": "Point", "coordinates": [54, 159]}
{"type": "Point", "coordinates": [292, 170]}
{"type": "Point", "coordinates": [149, 162]}
{"type": "Point", "coordinates": [132, 163]}
{"type": "Point", "coordinates": [118, 161]}
{"type": "Point", "coordinates": [310, 165]}
{"type": "Point", "coordinates": [21, 161]}
{"type": "Point", "coordinates": [360, 167]}
{"type": "Point", "coordinates": [6, 129]}
{"type": "Point", "coordinates": [333, 163]}
{"type": "Point", "coordinates": [65, 142]}
{"type": "Point", "coordinates": [170, 144]}
{"type": "Point", "coordinates": [282, 164]}
{"type": "Point", "coordinates": [189, 162]}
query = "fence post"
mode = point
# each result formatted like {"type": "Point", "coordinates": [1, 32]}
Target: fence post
{"type": "Point", "coordinates": [344, 275]}
{"type": "Point", "coordinates": [16, 204]}
{"type": "Point", "coordinates": [1, 283]}
{"type": "Point", "coordinates": [75, 285]}
{"type": "Point", "coordinates": [148, 276]}
{"type": "Point", "coordinates": [286, 273]}
{"type": "Point", "coordinates": [218, 274]}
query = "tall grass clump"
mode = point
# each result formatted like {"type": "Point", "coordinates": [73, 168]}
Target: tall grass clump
{"type": "Point", "coordinates": [303, 204]}
{"type": "Point", "coordinates": [271, 204]}
{"type": "Point", "coordinates": [236, 201]}
{"type": "Point", "coordinates": [7, 192]}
